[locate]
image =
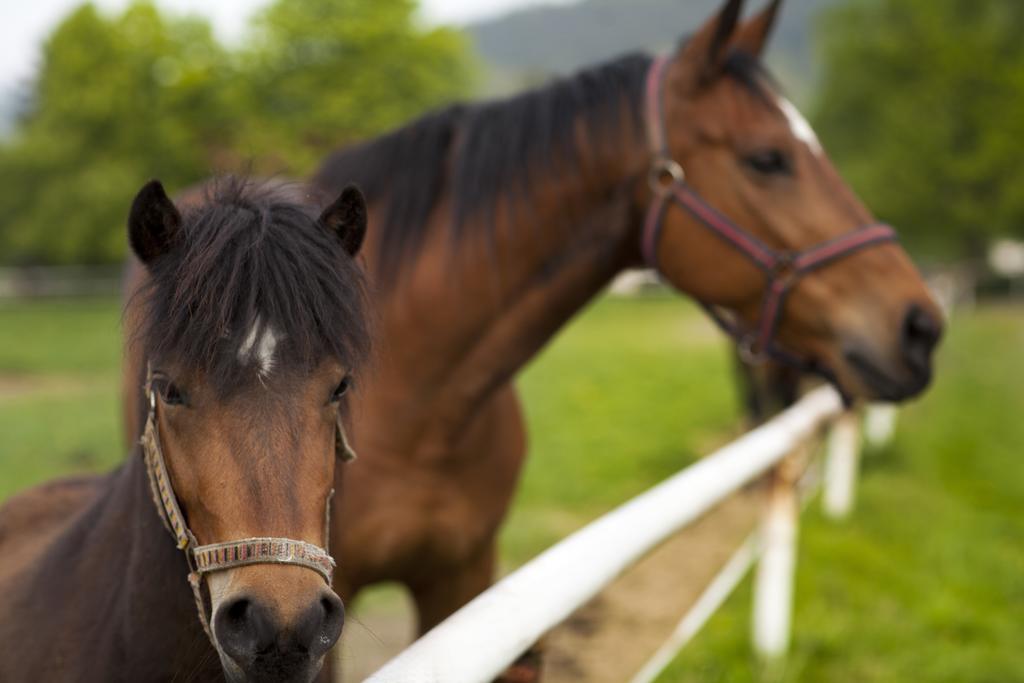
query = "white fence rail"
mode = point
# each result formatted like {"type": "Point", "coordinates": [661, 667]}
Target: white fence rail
{"type": "Point", "coordinates": [479, 641]}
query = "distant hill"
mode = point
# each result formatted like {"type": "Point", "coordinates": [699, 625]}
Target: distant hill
{"type": "Point", "coordinates": [532, 44]}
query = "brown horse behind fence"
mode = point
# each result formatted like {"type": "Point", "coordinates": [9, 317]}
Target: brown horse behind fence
{"type": "Point", "coordinates": [251, 322]}
{"type": "Point", "coordinates": [495, 223]}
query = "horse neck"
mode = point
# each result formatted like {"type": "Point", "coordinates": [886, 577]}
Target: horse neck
{"type": "Point", "coordinates": [469, 318]}
{"type": "Point", "coordinates": [118, 568]}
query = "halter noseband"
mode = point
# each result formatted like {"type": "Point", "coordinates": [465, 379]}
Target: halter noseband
{"type": "Point", "coordinates": [782, 269]}
{"type": "Point", "coordinates": [214, 557]}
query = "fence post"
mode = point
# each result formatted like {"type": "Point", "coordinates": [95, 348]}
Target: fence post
{"type": "Point", "coordinates": [773, 584]}
{"type": "Point", "coordinates": [842, 454]}
{"type": "Point", "coordinates": [879, 424]}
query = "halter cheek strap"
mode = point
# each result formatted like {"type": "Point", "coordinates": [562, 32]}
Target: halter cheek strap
{"type": "Point", "coordinates": [782, 270]}
{"type": "Point", "coordinates": [215, 557]}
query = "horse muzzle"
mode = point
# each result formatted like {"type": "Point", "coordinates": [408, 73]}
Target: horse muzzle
{"type": "Point", "coordinates": [910, 372]}
{"type": "Point", "coordinates": [256, 646]}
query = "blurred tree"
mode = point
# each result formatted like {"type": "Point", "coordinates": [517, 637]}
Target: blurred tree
{"type": "Point", "coordinates": [117, 100]}
{"type": "Point", "coordinates": [326, 72]}
{"type": "Point", "coordinates": [922, 105]}
{"type": "Point", "coordinates": [120, 99]}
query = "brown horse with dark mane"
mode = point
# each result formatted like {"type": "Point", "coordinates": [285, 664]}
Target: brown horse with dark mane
{"type": "Point", "coordinates": [251, 323]}
{"type": "Point", "coordinates": [496, 222]}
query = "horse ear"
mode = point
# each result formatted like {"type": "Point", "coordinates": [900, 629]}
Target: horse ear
{"type": "Point", "coordinates": [346, 218]}
{"type": "Point", "coordinates": [152, 222]}
{"type": "Point", "coordinates": [752, 36]}
{"type": "Point", "coordinates": [705, 53]}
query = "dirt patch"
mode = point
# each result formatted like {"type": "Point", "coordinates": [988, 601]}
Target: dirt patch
{"type": "Point", "coordinates": [376, 629]}
{"type": "Point", "coordinates": [610, 638]}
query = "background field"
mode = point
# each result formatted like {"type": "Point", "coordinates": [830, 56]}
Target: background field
{"type": "Point", "coordinates": [924, 583]}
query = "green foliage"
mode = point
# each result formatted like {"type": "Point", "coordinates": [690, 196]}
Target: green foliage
{"type": "Point", "coordinates": [922, 106]}
{"type": "Point", "coordinates": [121, 99]}
{"type": "Point", "coordinates": [326, 72]}
{"type": "Point", "coordinates": [118, 100]}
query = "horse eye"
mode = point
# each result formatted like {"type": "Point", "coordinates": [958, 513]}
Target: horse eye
{"type": "Point", "coordinates": [769, 162]}
{"type": "Point", "coordinates": [170, 393]}
{"type": "Point", "coordinates": [341, 389]}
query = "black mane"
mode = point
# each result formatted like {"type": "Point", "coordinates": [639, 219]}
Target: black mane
{"type": "Point", "coordinates": [250, 254]}
{"type": "Point", "coordinates": [476, 154]}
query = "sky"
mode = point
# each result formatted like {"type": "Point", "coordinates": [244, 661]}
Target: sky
{"type": "Point", "coordinates": [25, 23]}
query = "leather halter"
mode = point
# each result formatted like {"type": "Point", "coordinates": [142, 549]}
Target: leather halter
{"type": "Point", "coordinates": [782, 269]}
{"type": "Point", "coordinates": [214, 557]}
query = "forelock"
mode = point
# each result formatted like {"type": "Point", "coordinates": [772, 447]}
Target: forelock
{"type": "Point", "coordinates": [254, 281]}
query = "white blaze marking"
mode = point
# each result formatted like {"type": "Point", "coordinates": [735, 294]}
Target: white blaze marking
{"type": "Point", "coordinates": [798, 124]}
{"type": "Point", "coordinates": [264, 348]}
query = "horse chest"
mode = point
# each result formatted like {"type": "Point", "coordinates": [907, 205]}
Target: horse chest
{"type": "Point", "coordinates": [413, 525]}
{"type": "Point", "coordinates": [402, 516]}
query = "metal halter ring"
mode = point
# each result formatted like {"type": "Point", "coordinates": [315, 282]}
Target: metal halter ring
{"type": "Point", "coordinates": [785, 269]}
{"type": "Point", "coordinates": [749, 350]}
{"type": "Point", "coordinates": [782, 269]}
{"type": "Point", "coordinates": [664, 173]}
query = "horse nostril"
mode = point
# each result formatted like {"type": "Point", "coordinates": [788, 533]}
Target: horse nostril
{"type": "Point", "coordinates": [921, 333]}
{"type": "Point", "coordinates": [237, 610]}
{"type": "Point", "coordinates": [243, 629]}
{"type": "Point", "coordinates": [319, 628]}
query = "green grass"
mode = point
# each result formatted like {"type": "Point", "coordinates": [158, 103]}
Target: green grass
{"type": "Point", "coordinates": [65, 355]}
{"type": "Point", "coordinates": [924, 583]}
{"type": "Point", "coordinates": [627, 395]}
{"type": "Point", "coordinates": [52, 435]}
{"type": "Point", "coordinates": [60, 336]}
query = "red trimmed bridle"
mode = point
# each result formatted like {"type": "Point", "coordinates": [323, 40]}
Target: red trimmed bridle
{"type": "Point", "coordinates": [215, 557]}
{"type": "Point", "coordinates": [782, 269]}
